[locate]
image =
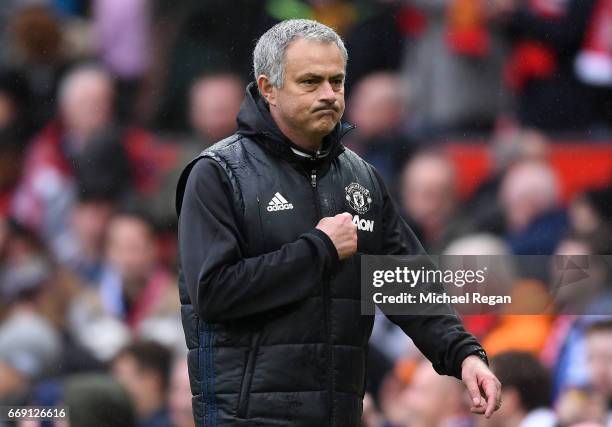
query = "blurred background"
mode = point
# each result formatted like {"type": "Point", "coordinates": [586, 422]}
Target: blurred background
{"type": "Point", "coordinates": [490, 120]}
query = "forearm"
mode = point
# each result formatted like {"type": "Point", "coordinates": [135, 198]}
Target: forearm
{"type": "Point", "coordinates": [254, 285]}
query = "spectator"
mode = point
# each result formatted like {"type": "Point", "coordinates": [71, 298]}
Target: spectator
{"type": "Point", "coordinates": [390, 399]}
{"type": "Point", "coordinates": [96, 400]}
{"type": "Point", "coordinates": [566, 353]}
{"type": "Point", "coordinates": [373, 50]}
{"type": "Point", "coordinates": [526, 395]}
{"type": "Point", "coordinates": [546, 38]}
{"type": "Point", "coordinates": [122, 37]}
{"type": "Point", "coordinates": [86, 104]}
{"type": "Point", "coordinates": [530, 198]}
{"type": "Point", "coordinates": [371, 417]}
{"type": "Point", "coordinates": [581, 407]}
{"type": "Point", "coordinates": [507, 148]}
{"type": "Point", "coordinates": [145, 288]}
{"type": "Point", "coordinates": [590, 214]}
{"type": "Point", "coordinates": [599, 360]}
{"type": "Point", "coordinates": [89, 220]}
{"type": "Point", "coordinates": [431, 400]}
{"type": "Point", "coordinates": [36, 44]}
{"type": "Point", "coordinates": [47, 189]}
{"type": "Point", "coordinates": [429, 197]}
{"type": "Point", "coordinates": [94, 328]}
{"type": "Point", "coordinates": [526, 323]}
{"type": "Point", "coordinates": [377, 107]}
{"type": "Point", "coordinates": [143, 368]}
{"type": "Point", "coordinates": [591, 210]}
{"type": "Point", "coordinates": [180, 395]}
{"type": "Point", "coordinates": [135, 295]}
{"type": "Point", "coordinates": [599, 354]}
{"type": "Point", "coordinates": [454, 66]}
{"type": "Point", "coordinates": [579, 291]}
{"type": "Point", "coordinates": [30, 345]}
{"type": "Point", "coordinates": [103, 179]}
{"type": "Point", "coordinates": [499, 279]}
{"type": "Point", "coordinates": [203, 42]}
{"type": "Point", "coordinates": [46, 192]}
{"type": "Point", "coordinates": [593, 63]}
{"type": "Point", "coordinates": [214, 103]}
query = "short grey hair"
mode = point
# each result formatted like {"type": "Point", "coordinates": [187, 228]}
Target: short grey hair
{"type": "Point", "coordinates": [269, 53]}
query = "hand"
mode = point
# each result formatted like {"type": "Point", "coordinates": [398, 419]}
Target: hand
{"type": "Point", "coordinates": [481, 382]}
{"type": "Point", "coordinates": [342, 232]}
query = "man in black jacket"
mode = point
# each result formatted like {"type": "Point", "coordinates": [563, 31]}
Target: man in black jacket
{"type": "Point", "coordinates": [271, 224]}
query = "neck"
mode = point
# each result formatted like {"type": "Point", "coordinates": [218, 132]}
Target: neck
{"type": "Point", "coordinates": [148, 407]}
{"type": "Point", "coordinates": [514, 420]}
{"type": "Point", "coordinates": [133, 287]}
{"type": "Point", "coordinates": [307, 142]}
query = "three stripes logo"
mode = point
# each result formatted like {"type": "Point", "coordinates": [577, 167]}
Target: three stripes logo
{"type": "Point", "coordinates": [279, 203]}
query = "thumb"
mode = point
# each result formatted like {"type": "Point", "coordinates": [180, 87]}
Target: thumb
{"type": "Point", "coordinates": [473, 389]}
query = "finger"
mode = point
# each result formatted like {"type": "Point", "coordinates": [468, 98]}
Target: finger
{"type": "Point", "coordinates": [473, 389]}
{"type": "Point", "coordinates": [492, 398]}
{"type": "Point", "coordinates": [477, 410]}
{"type": "Point", "coordinates": [482, 407]}
{"type": "Point", "coordinates": [345, 215]}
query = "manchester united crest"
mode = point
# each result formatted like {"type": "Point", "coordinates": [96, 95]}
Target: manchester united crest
{"type": "Point", "coordinates": [358, 197]}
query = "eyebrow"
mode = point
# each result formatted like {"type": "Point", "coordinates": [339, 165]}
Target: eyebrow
{"type": "Point", "coordinates": [318, 76]}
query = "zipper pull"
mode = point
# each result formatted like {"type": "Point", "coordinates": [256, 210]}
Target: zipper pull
{"type": "Point", "coordinates": [313, 178]}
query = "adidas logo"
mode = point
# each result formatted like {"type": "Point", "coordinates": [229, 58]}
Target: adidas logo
{"type": "Point", "coordinates": [279, 203]}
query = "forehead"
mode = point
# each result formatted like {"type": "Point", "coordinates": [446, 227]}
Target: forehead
{"type": "Point", "coordinates": [309, 56]}
{"type": "Point", "coordinates": [126, 227]}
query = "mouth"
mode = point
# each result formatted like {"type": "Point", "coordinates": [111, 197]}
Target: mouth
{"type": "Point", "coordinates": [326, 112]}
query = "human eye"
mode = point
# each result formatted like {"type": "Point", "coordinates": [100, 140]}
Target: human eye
{"type": "Point", "coordinates": [337, 82]}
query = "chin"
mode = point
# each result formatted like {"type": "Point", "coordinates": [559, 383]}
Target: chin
{"type": "Point", "coordinates": [326, 127]}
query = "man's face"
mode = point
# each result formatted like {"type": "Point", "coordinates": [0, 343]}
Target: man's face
{"type": "Point", "coordinates": [138, 382]}
{"type": "Point", "coordinates": [89, 106]}
{"type": "Point", "coordinates": [428, 191]}
{"type": "Point", "coordinates": [215, 102]}
{"type": "Point", "coordinates": [179, 400]}
{"type": "Point", "coordinates": [311, 101]}
{"type": "Point", "coordinates": [89, 221]}
{"type": "Point", "coordinates": [130, 248]}
{"type": "Point", "coordinates": [431, 398]}
{"type": "Point", "coordinates": [599, 360]}
{"type": "Point", "coordinates": [376, 105]}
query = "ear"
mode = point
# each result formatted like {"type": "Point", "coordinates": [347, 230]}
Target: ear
{"type": "Point", "coordinates": [267, 90]}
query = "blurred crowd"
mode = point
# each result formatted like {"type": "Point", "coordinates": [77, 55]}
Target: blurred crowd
{"type": "Point", "coordinates": [103, 101]}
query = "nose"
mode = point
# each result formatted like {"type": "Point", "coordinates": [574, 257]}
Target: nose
{"type": "Point", "coordinates": [327, 93]}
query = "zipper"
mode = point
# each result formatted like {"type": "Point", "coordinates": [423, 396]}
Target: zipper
{"type": "Point", "coordinates": [247, 377]}
{"type": "Point", "coordinates": [326, 308]}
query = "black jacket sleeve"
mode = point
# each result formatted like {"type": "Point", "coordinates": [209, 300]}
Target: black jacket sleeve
{"type": "Point", "coordinates": [441, 338]}
{"type": "Point", "coordinates": [222, 283]}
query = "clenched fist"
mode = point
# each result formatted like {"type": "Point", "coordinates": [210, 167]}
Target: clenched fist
{"type": "Point", "coordinates": [342, 232]}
